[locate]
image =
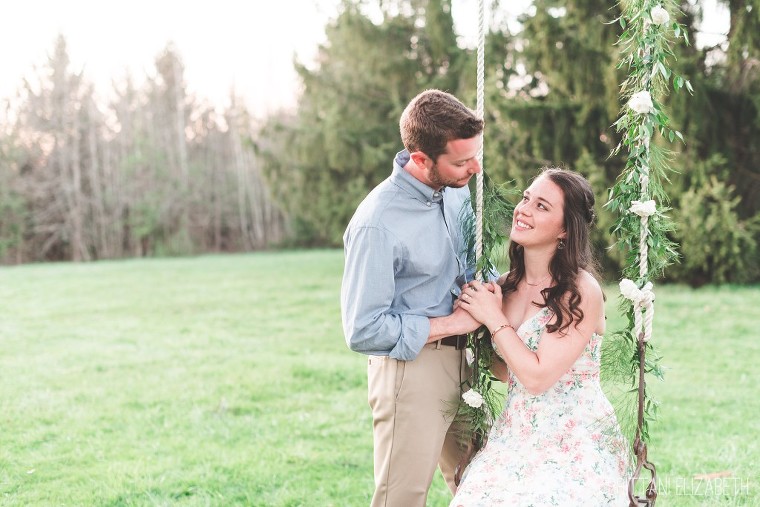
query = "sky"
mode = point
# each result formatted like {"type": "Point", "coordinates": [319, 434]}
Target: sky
{"type": "Point", "coordinates": [245, 45]}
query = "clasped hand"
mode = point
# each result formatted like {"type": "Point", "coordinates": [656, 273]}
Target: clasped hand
{"type": "Point", "coordinates": [481, 300]}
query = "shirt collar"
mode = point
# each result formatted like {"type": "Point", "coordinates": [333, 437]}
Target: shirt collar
{"type": "Point", "coordinates": [412, 185]}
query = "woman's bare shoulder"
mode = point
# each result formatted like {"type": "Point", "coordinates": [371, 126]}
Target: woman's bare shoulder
{"type": "Point", "coordinates": [589, 287]}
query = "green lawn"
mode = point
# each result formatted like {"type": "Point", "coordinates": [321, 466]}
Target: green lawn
{"type": "Point", "coordinates": [225, 380]}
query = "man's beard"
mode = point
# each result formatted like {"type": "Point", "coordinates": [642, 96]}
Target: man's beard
{"type": "Point", "coordinates": [440, 182]}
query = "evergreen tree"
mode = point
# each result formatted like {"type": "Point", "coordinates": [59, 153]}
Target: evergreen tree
{"type": "Point", "coordinates": [718, 170]}
{"type": "Point", "coordinates": [564, 95]}
{"type": "Point", "coordinates": [560, 101]}
{"type": "Point", "coordinates": [341, 142]}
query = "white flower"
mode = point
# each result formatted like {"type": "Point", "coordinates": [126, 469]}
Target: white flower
{"type": "Point", "coordinates": [641, 102]}
{"type": "Point", "coordinates": [628, 288]}
{"type": "Point", "coordinates": [473, 398]}
{"type": "Point", "coordinates": [469, 356]}
{"type": "Point", "coordinates": [659, 15]}
{"type": "Point", "coordinates": [643, 209]}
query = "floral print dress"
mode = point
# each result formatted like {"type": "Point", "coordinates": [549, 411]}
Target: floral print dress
{"type": "Point", "coordinates": [562, 447]}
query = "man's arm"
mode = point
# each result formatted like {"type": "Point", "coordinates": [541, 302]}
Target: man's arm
{"type": "Point", "coordinates": [367, 292]}
{"type": "Point", "coordinates": [459, 322]}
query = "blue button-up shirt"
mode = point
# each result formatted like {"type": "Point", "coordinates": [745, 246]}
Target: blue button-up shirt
{"type": "Point", "coordinates": [404, 250]}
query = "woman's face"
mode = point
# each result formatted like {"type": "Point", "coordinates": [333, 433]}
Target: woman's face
{"type": "Point", "coordinates": [539, 217]}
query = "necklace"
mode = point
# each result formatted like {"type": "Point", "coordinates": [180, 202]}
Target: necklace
{"type": "Point", "coordinates": [538, 282]}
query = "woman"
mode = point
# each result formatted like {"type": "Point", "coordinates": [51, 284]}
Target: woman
{"type": "Point", "coordinates": [557, 441]}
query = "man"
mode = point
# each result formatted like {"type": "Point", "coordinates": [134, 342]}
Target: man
{"type": "Point", "coordinates": [404, 252]}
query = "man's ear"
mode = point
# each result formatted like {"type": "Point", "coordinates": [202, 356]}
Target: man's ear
{"type": "Point", "coordinates": [420, 159]}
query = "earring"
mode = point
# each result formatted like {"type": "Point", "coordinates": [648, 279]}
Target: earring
{"type": "Point", "coordinates": [561, 244]}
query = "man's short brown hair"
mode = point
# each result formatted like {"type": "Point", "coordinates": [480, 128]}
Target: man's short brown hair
{"type": "Point", "coordinates": [432, 119]}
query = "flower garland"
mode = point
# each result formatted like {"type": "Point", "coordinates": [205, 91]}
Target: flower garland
{"type": "Point", "coordinates": [642, 227]}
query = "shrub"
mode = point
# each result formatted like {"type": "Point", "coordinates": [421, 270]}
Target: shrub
{"type": "Point", "coordinates": [716, 245]}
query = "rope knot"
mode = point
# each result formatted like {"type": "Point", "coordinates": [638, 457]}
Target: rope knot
{"type": "Point", "coordinates": [640, 297]}
{"type": "Point", "coordinates": [643, 299]}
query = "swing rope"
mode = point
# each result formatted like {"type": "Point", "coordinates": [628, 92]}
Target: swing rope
{"type": "Point", "coordinates": [643, 308]}
{"type": "Point", "coordinates": [480, 112]}
{"type": "Point", "coordinates": [646, 45]}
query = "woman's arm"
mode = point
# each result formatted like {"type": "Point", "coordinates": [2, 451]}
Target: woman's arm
{"type": "Point", "coordinates": [556, 353]}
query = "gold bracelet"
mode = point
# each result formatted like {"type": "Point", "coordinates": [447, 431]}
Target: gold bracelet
{"type": "Point", "coordinates": [493, 333]}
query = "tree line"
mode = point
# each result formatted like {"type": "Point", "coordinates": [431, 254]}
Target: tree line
{"type": "Point", "coordinates": [156, 171]}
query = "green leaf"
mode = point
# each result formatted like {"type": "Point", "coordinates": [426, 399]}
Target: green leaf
{"type": "Point", "coordinates": [663, 70]}
{"type": "Point", "coordinates": [671, 135]}
{"type": "Point", "coordinates": [648, 129]}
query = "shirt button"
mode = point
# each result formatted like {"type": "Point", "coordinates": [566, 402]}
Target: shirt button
{"type": "Point", "coordinates": [429, 203]}
{"type": "Point", "coordinates": [436, 194]}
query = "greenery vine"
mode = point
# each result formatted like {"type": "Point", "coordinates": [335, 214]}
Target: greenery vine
{"type": "Point", "coordinates": [481, 406]}
{"type": "Point", "coordinates": [638, 196]}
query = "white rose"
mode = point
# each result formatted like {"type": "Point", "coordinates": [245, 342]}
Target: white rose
{"type": "Point", "coordinates": [629, 289]}
{"type": "Point", "coordinates": [473, 398]}
{"type": "Point", "coordinates": [659, 15]}
{"type": "Point", "coordinates": [643, 209]}
{"type": "Point", "coordinates": [641, 102]}
{"type": "Point", "coordinates": [469, 356]}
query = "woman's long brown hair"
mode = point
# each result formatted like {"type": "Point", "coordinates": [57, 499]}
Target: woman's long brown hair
{"type": "Point", "coordinates": [564, 297]}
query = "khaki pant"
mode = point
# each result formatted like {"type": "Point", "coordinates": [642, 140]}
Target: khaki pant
{"type": "Point", "coordinates": [412, 405]}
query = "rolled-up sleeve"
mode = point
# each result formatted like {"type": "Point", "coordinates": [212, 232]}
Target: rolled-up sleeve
{"type": "Point", "coordinates": [367, 295]}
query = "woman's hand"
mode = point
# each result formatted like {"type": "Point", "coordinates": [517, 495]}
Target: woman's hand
{"type": "Point", "coordinates": [482, 301]}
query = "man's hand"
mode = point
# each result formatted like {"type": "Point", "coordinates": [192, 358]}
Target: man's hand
{"type": "Point", "coordinates": [464, 321]}
{"type": "Point", "coordinates": [459, 322]}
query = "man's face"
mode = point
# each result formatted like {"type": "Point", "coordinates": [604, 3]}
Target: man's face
{"type": "Point", "coordinates": [456, 166]}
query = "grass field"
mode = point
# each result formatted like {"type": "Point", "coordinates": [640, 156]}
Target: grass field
{"type": "Point", "coordinates": [225, 380]}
